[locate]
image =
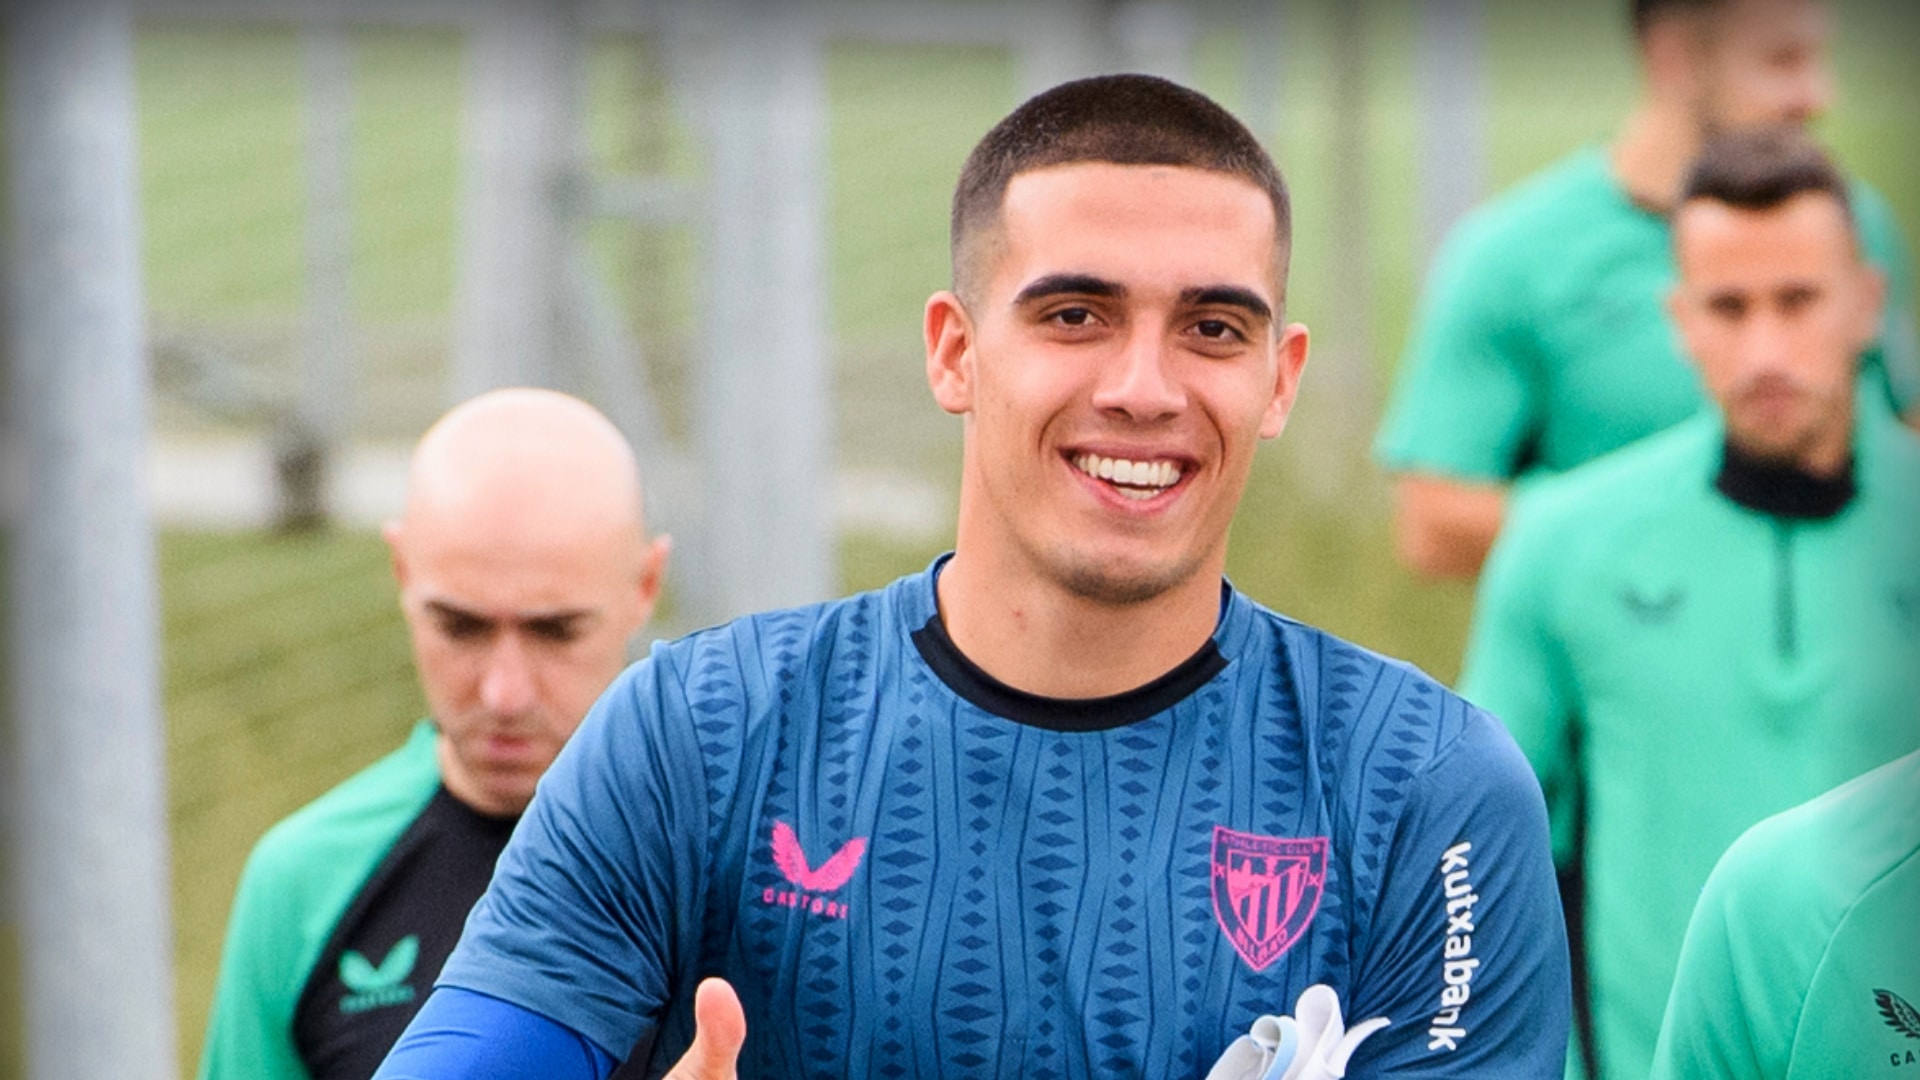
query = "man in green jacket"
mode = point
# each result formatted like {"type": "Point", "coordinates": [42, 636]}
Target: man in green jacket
{"type": "Point", "coordinates": [1541, 340]}
{"type": "Point", "coordinates": [524, 571]}
{"type": "Point", "coordinates": [1800, 961]}
{"type": "Point", "coordinates": [1721, 620]}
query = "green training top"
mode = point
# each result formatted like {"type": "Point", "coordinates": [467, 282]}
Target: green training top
{"type": "Point", "coordinates": [1801, 962]}
{"type": "Point", "coordinates": [1542, 340]}
{"type": "Point", "coordinates": [1687, 666]}
{"type": "Point", "coordinates": [298, 881]}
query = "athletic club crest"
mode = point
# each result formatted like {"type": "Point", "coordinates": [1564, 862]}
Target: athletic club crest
{"type": "Point", "coordinates": [1266, 890]}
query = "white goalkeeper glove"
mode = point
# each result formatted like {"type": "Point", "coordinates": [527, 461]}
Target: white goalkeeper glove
{"type": "Point", "coordinates": [1263, 1053]}
{"type": "Point", "coordinates": [1326, 1043]}
{"type": "Point", "coordinates": [1313, 1044]}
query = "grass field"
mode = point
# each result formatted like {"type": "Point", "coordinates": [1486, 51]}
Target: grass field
{"type": "Point", "coordinates": [286, 661]}
{"type": "Point", "coordinates": [287, 669]}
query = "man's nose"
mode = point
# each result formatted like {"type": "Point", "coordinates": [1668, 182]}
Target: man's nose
{"type": "Point", "coordinates": [1140, 381]}
{"type": "Point", "coordinates": [507, 684]}
{"type": "Point", "coordinates": [1812, 94]}
{"type": "Point", "coordinates": [1767, 346]}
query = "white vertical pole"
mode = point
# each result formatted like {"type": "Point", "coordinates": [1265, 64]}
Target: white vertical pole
{"type": "Point", "coordinates": [1352, 205]}
{"type": "Point", "coordinates": [91, 839]}
{"type": "Point", "coordinates": [1263, 33]}
{"type": "Point", "coordinates": [1450, 71]}
{"type": "Point", "coordinates": [1063, 40]}
{"type": "Point", "coordinates": [309, 442]}
{"type": "Point", "coordinates": [1155, 37]}
{"type": "Point", "coordinates": [763, 397]}
{"type": "Point", "coordinates": [519, 178]}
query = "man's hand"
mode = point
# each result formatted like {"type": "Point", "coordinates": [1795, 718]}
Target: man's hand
{"type": "Point", "coordinates": [719, 1031]}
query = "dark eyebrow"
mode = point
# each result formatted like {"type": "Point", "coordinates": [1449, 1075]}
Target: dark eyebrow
{"type": "Point", "coordinates": [454, 611]}
{"type": "Point", "coordinates": [561, 619]}
{"type": "Point", "coordinates": [1069, 285]}
{"type": "Point", "coordinates": [1228, 296]}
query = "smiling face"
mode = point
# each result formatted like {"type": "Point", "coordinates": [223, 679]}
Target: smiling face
{"type": "Point", "coordinates": [1120, 366]}
{"type": "Point", "coordinates": [1775, 307]}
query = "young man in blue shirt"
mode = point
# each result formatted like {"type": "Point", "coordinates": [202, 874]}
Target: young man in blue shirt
{"type": "Point", "coordinates": [1065, 804]}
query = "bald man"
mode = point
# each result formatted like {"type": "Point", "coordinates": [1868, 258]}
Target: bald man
{"type": "Point", "coordinates": [524, 570]}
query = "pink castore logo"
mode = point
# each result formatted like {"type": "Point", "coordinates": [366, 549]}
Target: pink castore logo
{"type": "Point", "coordinates": [828, 877]}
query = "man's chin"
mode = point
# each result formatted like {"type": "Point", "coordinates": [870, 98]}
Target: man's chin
{"type": "Point", "coordinates": [1120, 583]}
{"type": "Point", "coordinates": [1765, 435]}
{"type": "Point", "coordinates": [508, 793]}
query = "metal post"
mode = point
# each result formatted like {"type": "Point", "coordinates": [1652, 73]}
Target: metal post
{"type": "Point", "coordinates": [1064, 40]}
{"type": "Point", "coordinates": [1155, 37]}
{"type": "Point", "coordinates": [520, 179]}
{"type": "Point", "coordinates": [1353, 191]}
{"type": "Point", "coordinates": [1328, 447]}
{"type": "Point", "coordinates": [763, 396]}
{"type": "Point", "coordinates": [88, 774]}
{"type": "Point", "coordinates": [1263, 31]}
{"type": "Point", "coordinates": [308, 441]}
{"type": "Point", "coordinates": [1450, 69]}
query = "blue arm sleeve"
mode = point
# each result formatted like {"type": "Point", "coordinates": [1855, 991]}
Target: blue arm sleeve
{"type": "Point", "coordinates": [461, 1035]}
{"type": "Point", "coordinates": [1466, 950]}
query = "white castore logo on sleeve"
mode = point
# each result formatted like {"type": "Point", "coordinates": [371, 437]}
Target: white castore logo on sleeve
{"type": "Point", "coordinates": [1457, 963]}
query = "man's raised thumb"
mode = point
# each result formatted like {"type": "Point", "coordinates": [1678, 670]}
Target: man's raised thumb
{"type": "Point", "coordinates": [719, 1031]}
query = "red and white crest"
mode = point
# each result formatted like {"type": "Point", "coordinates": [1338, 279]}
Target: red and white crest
{"type": "Point", "coordinates": [1266, 890]}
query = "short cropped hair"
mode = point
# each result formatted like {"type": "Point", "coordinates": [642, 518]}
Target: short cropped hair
{"type": "Point", "coordinates": [1116, 119]}
{"type": "Point", "coordinates": [1647, 12]}
{"type": "Point", "coordinates": [1763, 168]}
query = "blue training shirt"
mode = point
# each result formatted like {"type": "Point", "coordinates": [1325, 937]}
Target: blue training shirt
{"type": "Point", "coordinates": [906, 868]}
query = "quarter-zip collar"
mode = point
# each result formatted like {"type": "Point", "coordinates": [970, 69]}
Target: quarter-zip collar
{"type": "Point", "coordinates": [1783, 491]}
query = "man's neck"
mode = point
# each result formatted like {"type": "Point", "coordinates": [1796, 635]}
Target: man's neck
{"type": "Point", "coordinates": [1036, 636]}
{"type": "Point", "coordinates": [1816, 485]}
{"type": "Point", "coordinates": [1652, 153]}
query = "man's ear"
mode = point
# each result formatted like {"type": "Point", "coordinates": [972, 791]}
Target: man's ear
{"type": "Point", "coordinates": [396, 551]}
{"type": "Point", "coordinates": [949, 337]}
{"type": "Point", "coordinates": [1680, 314]}
{"type": "Point", "coordinates": [1290, 358]}
{"type": "Point", "coordinates": [653, 569]}
{"type": "Point", "coordinates": [1873, 301]}
{"type": "Point", "coordinates": [1673, 51]}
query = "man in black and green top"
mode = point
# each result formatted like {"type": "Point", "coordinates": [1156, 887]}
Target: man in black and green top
{"type": "Point", "coordinates": [1722, 620]}
{"type": "Point", "coordinates": [1541, 340]}
{"type": "Point", "coordinates": [524, 571]}
{"type": "Point", "coordinates": [1800, 962]}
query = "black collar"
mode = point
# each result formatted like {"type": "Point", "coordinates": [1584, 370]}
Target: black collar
{"type": "Point", "coordinates": [967, 679]}
{"type": "Point", "coordinates": [1784, 491]}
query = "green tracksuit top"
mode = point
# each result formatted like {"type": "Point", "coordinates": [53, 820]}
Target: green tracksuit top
{"type": "Point", "coordinates": [1802, 961]}
{"type": "Point", "coordinates": [1542, 339]}
{"type": "Point", "coordinates": [1685, 666]}
{"type": "Point", "coordinates": [300, 879]}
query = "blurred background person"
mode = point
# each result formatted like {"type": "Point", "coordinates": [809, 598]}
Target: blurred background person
{"type": "Point", "coordinates": [1720, 621]}
{"type": "Point", "coordinates": [1542, 340]}
{"type": "Point", "coordinates": [525, 571]}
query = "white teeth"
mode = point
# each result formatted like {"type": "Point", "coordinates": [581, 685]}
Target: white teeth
{"type": "Point", "coordinates": [1134, 479]}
